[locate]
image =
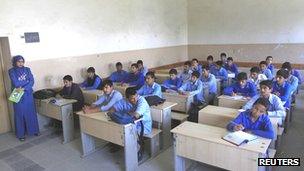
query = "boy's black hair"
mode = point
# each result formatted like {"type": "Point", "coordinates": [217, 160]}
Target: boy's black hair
{"type": "Point", "coordinates": [229, 59]}
{"type": "Point", "coordinates": [173, 71]}
{"type": "Point", "coordinates": [91, 70]}
{"type": "Point", "coordinates": [206, 67]}
{"type": "Point", "coordinates": [241, 76]}
{"type": "Point", "coordinates": [188, 63]}
{"type": "Point", "coordinates": [68, 77]}
{"type": "Point", "coordinates": [255, 69]}
{"type": "Point", "coordinates": [140, 62]}
{"type": "Point", "coordinates": [267, 83]}
{"type": "Point", "coordinates": [263, 63]}
{"type": "Point", "coordinates": [196, 74]}
{"type": "Point", "coordinates": [219, 63]}
{"type": "Point", "coordinates": [263, 101]}
{"type": "Point", "coordinates": [194, 59]}
{"type": "Point", "coordinates": [135, 65]}
{"type": "Point", "coordinates": [118, 64]}
{"type": "Point", "coordinates": [106, 83]}
{"type": "Point", "coordinates": [283, 72]}
{"type": "Point", "coordinates": [287, 65]}
{"type": "Point", "coordinates": [151, 74]}
{"type": "Point", "coordinates": [223, 54]}
{"type": "Point", "coordinates": [210, 57]}
{"type": "Point", "coordinates": [130, 91]}
{"type": "Point", "coordinates": [269, 57]}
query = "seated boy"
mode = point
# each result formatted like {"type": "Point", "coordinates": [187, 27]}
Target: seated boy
{"type": "Point", "coordinates": [196, 66]}
{"type": "Point", "coordinates": [231, 67]}
{"type": "Point", "coordinates": [150, 88]}
{"type": "Point", "coordinates": [135, 78]}
{"type": "Point", "coordinates": [241, 87]}
{"type": "Point", "coordinates": [173, 83]}
{"type": "Point", "coordinates": [119, 75]}
{"type": "Point", "coordinates": [270, 66]}
{"type": "Point", "coordinates": [211, 64]}
{"type": "Point", "coordinates": [106, 101]}
{"type": "Point", "coordinates": [282, 88]}
{"type": "Point", "coordinates": [221, 73]}
{"type": "Point", "coordinates": [209, 80]}
{"type": "Point", "coordinates": [72, 91]}
{"type": "Point", "coordinates": [294, 76]}
{"type": "Point", "coordinates": [185, 75]}
{"type": "Point", "coordinates": [194, 87]}
{"type": "Point", "coordinates": [93, 81]}
{"type": "Point", "coordinates": [254, 120]}
{"type": "Point", "coordinates": [276, 108]}
{"type": "Point", "coordinates": [256, 77]}
{"type": "Point", "coordinates": [265, 70]}
{"type": "Point", "coordinates": [142, 69]}
{"type": "Point", "coordinates": [223, 57]}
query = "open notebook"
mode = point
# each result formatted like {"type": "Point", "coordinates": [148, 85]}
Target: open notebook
{"type": "Point", "coordinates": [239, 137]}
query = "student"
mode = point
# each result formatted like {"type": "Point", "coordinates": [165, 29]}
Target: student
{"type": "Point", "coordinates": [141, 67]}
{"type": "Point", "coordinates": [93, 81]}
{"type": "Point", "coordinates": [223, 57]}
{"type": "Point", "coordinates": [254, 120]}
{"type": "Point", "coordinates": [72, 91]}
{"type": "Point", "coordinates": [221, 73]}
{"type": "Point", "coordinates": [185, 75]}
{"type": "Point", "coordinates": [256, 77]}
{"type": "Point", "coordinates": [209, 79]}
{"type": "Point", "coordinates": [282, 88]}
{"type": "Point", "coordinates": [231, 67]}
{"type": "Point", "coordinates": [211, 64]}
{"type": "Point", "coordinates": [106, 101]}
{"type": "Point", "coordinates": [293, 74]}
{"type": "Point", "coordinates": [173, 83]}
{"type": "Point", "coordinates": [270, 66]}
{"type": "Point", "coordinates": [276, 108]}
{"type": "Point", "coordinates": [135, 78]}
{"type": "Point", "coordinates": [241, 87]}
{"type": "Point", "coordinates": [119, 75]}
{"type": "Point", "coordinates": [265, 70]}
{"type": "Point", "coordinates": [194, 87]}
{"type": "Point", "coordinates": [150, 88]}
{"type": "Point", "coordinates": [196, 66]}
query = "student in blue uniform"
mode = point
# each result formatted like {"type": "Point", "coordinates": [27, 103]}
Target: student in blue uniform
{"type": "Point", "coordinates": [209, 80]}
{"type": "Point", "coordinates": [241, 87]}
{"type": "Point", "coordinates": [196, 66]}
{"type": "Point", "coordinates": [254, 120]}
{"type": "Point", "coordinates": [25, 115]}
{"type": "Point", "coordinates": [223, 57]}
{"type": "Point", "coordinates": [231, 67]}
{"type": "Point", "coordinates": [173, 83]}
{"type": "Point", "coordinates": [221, 73]}
{"type": "Point", "coordinates": [282, 88]}
{"type": "Point", "coordinates": [119, 75]}
{"type": "Point", "coordinates": [211, 64]}
{"type": "Point", "coordinates": [135, 78]}
{"type": "Point", "coordinates": [265, 70]}
{"type": "Point", "coordinates": [276, 108]}
{"type": "Point", "coordinates": [93, 81]}
{"type": "Point", "coordinates": [106, 101]}
{"type": "Point", "coordinates": [270, 66]}
{"type": "Point", "coordinates": [72, 91]}
{"type": "Point", "coordinates": [293, 73]}
{"type": "Point", "coordinates": [185, 75]}
{"type": "Point", "coordinates": [150, 88]}
{"type": "Point", "coordinates": [141, 67]}
{"type": "Point", "coordinates": [256, 77]}
{"type": "Point", "coordinates": [194, 87]}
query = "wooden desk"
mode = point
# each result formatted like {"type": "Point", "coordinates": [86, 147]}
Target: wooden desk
{"type": "Point", "coordinates": [161, 114]}
{"type": "Point", "coordinates": [90, 96]}
{"type": "Point", "coordinates": [160, 78]}
{"type": "Point", "coordinates": [121, 89]}
{"type": "Point", "coordinates": [204, 143]}
{"type": "Point", "coordinates": [228, 101]}
{"type": "Point", "coordinates": [183, 101]}
{"type": "Point", "coordinates": [62, 111]}
{"type": "Point", "coordinates": [97, 125]}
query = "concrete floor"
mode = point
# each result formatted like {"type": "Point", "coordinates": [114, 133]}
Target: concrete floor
{"type": "Point", "coordinates": [47, 153]}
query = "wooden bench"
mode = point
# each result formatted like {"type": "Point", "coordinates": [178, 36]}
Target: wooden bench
{"type": "Point", "coordinates": [183, 101]}
{"type": "Point", "coordinates": [153, 142]}
{"type": "Point", "coordinates": [181, 117]}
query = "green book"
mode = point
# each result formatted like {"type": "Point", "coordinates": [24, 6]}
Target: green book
{"type": "Point", "coordinates": [15, 96]}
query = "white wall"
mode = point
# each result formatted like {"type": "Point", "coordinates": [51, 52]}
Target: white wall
{"type": "Point", "coordinates": [78, 27]}
{"type": "Point", "coordinates": [245, 21]}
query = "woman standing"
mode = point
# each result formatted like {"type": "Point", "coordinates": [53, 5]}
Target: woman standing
{"type": "Point", "coordinates": [25, 115]}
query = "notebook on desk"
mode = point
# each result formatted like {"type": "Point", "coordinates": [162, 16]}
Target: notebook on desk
{"type": "Point", "coordinates": [239, 137]}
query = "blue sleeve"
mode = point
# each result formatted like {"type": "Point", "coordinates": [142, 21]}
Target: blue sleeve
{"type": "Point", "coordinates": [267, 131]}
{"type": "Point", "coordinates": [198, 90]}
{"type": "Point", "coordinates": [141, 90]}
{"type": "Point", "coordinates": [229, 90]}
{"type": "Point", "coordinates": [183, 87]}
{"type": "Point", "coordinates": [142, 107]}
{"type": "Point", "coordinates": [139, 82]}
{"type": "Point", "coordinates": [16, 83]}
{"type": "Point", "coordinates": [157, 91]}
{"type": "Point", "coordinates": [166, 83]}
{"type": "Point", "coordinates": [112, 77]}
{"type": "Point", "coordinates": [249, 104]}
{"type": "Point", "coordinates": [253, 90]}
{"type": "Point", "coordinates": [224, 74]}
{"type": "Point", "coordinates": [114, 99]}
{"type": "Point", "coordinates": [30, 83]}
{"type": "Point", "coordinates": [272, 69]}
{"type": "Point", "coordinates": [84, 84]}
{"type": "Point", "coordinates": [298, 75]}
{"type": "Point", "coordinates": [287, 93]}
{"type": "Point", "coordinates": [235, 69]}
{"type": "Point", "coordinates": [179, 83]}
{"type": "Point", "coordinates": [237, 120]}
{"type": "Point", "coordinates": [100, 100]}
{"type": "Point", "coordinates": [97, 82]}
{"type": "Point", "coordinates": [268, 74]}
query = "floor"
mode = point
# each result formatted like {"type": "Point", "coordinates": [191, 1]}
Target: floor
{"type": "Point", "coordinates": [47, 153]}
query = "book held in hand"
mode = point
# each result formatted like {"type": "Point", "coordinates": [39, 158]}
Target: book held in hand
{"type": "Point", "coordinates": [239, 137]}
{"type": "Point", "coordinates": [15, 96]}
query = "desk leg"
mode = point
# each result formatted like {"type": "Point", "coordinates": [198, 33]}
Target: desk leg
{"type": "Point", "coordinates": [188, 104]}
{"type": "Point", "coordinates": [131, 158]}
{"type": "Point", "coordinates": [179, 162]}
{"type": "Point", "coordinates": [166, 127]}
{"type": "Point", "coordinates": [67, 123]}
{"type": "Point", "coordinates": [88, 144]}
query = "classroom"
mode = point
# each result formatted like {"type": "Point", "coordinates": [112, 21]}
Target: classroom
{"type": "Point", "coordinates": [196, 85]}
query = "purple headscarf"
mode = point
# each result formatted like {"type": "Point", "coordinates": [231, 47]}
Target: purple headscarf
{"type": "Point", "coordinates": [15, 59]}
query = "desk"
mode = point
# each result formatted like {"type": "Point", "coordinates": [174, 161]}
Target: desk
{"type": "Point", "coordinates": [62, 111]}
{"type": "Point", "coordinates": [228, 101]}
{"type": "Point", "coordinates": [121, 89]}
{"type": "Point", "coordinates": [90, 96]}
{"type": "Point", "coordinates": [161, 114]}
{"type": "Point", "coordinates": [97, 125]}
{"type": "Point", "coordinates": [183, 101]}
{"type": "Point", "coordinates": [204, 143]}
{"type": "Point", "coordinates": [160, 78]}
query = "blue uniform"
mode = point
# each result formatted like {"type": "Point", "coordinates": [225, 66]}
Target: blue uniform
{"type": "Point", "coordinates": [141, 107]}
{"type": "Point", "coordinates": [147, 90]}
{"type": "Point", "coordinates": [106, 101]}
{"type": "Point", "coordinates": [143, 70]}
{"type": "Point", "coordinates": [294, 83]}
{"type": "Point", "coordinates": [261, 127]}
{"type": "Point", "coordinates": [275, 109]}
{"type": "Point", "coordinates": [211, 82]}
{"type": "Point", "coordinates": [297, 74]}
{"type": "Point", "coordinates": [233, 68]}
{"type": "Point", "coordinates": [268, 74]}
{"type": "Point", "coordinates": [118, 76]}
{"type": "Point", "coordinates": [221, 74]}
{"type": "Point", "coordinates": [137, 80]}
{"type": "Point", "coordinates": [185, 75]}
{"type": "Point", "coordinates": [25, 115]}
{"type": "Point", "coordinates": [195, 89]}
{"type": "Point", "coordinates": [212, 68]}
{"type": "Point", "coordinates": [92, 84]}
{"type": "Point", "coordinates": [198, 68]}
{"type": "Point", "coordinates": [248, 91]}
{"type": "Point", "coordinates": [173, 84]}
{"type": "Point", "coordinates": [271, 68]}
{"type": "Point", "coordinates": [285, 92]}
